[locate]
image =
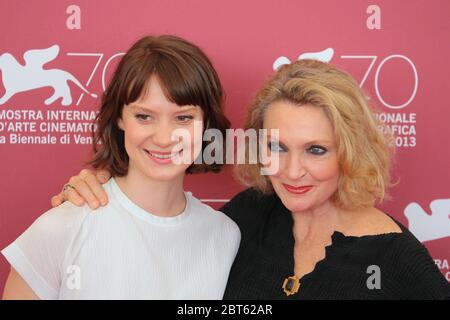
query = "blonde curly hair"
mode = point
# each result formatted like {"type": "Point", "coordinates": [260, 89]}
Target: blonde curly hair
{"type": "Point", "coordinates": [364, 151]}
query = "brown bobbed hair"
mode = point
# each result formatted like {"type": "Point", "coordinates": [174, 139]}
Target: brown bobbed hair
{"type": "Point", "coordinates": [187, 77]}
{"type": "Point", "coordinates": [364, 150]}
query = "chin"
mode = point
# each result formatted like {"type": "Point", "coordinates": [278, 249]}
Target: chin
{"type": "Point", "coordinates": [296, 205]}
{"type": "Point", "coordinates": [163, 175]}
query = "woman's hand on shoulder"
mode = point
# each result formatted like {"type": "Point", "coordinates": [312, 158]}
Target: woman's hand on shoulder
{"type": "Point", "coordinates": [84, 187]}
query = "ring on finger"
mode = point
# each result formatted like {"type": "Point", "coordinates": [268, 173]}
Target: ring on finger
{"type": "Point", "coordinates": [67, 186]}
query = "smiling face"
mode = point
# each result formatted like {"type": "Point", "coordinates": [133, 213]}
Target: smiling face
{"type": "Point", "coordinates": [308, 163]}
{"type": "Point", "coordinates": [149, 124]}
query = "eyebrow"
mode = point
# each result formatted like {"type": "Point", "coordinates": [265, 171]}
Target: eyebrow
{"type": "Point", "coordinates": [137, 107]}
{"type": "Point", "coordinates": [326, 142]}
{"type": "Point", "coordinates": [309, 143]}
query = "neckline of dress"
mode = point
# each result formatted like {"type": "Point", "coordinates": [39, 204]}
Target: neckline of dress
{"type": "Point", "coordinates": [338, 241]}
{"type": "Point", "coordinates": [147, 216]}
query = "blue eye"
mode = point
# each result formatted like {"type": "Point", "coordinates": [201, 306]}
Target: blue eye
{"type": "Point", "coordinates": [275, 147]}
{"type": "Point", "coordinates": [317, 150]}
{"type": "Point", "coordinates": [184, 118]}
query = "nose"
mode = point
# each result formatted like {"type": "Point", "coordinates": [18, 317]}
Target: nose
{"type": "Point", "coordinates": [162, 136]}
{"type": "Point", "coordinates": [295, 168]}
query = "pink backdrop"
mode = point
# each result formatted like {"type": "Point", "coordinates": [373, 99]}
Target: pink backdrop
{"type": "Point", "coordinates": [397, 50]}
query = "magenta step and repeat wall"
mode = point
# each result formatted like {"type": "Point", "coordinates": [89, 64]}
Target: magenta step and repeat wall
{"type": "Point", "coordinates": [56, 58]}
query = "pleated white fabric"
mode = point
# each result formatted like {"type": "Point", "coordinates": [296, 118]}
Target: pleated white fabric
{"type": "Point", "coordinates": [120, 251]}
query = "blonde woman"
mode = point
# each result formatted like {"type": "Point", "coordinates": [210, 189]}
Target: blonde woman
{"type": "Point", "coordinates": [311, 230]}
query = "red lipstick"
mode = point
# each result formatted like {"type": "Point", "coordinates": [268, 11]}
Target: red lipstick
{"type": "Point", "coordinates": [297, 190]}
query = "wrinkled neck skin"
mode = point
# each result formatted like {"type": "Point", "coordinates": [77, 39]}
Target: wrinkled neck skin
{"type": "Point", "coordinates": [161, 198]}
{"type": "Point", "coordinates": [317, 224]}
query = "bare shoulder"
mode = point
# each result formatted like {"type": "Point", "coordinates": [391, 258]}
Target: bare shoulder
{"type": "Point", "coordinates": [372, 221]}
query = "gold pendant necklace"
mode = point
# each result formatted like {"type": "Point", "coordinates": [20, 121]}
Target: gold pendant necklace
{"type": "Point", "coordinates": [291, 285]}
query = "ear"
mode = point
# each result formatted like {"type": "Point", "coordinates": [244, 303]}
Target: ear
{"type": "Point", "coordinates": [120, 124]}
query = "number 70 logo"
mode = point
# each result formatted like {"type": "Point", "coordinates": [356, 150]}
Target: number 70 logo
{"type": "Point", "coordinates": [283, 60]}
{"type": "Point", "coordinates": [327, 54]}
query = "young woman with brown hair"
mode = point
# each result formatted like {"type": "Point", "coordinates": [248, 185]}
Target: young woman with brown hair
{"type": "Point", "coordinates": [153, 240]}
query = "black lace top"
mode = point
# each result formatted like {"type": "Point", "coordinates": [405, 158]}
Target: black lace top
{"type": "Point", "coordinates": [402, 264]}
